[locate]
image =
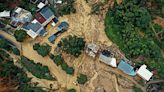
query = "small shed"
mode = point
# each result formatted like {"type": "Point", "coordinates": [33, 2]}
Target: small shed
{"type": "Point", "coordinates": [126, 68]}
{"type": "Point", "coordinates": [63, 26]}
{"type": "Point", "coordinates": [144, 73]}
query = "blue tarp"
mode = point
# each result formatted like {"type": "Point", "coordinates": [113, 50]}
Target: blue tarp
{"type": "Point", "coordinates": [125, 67]}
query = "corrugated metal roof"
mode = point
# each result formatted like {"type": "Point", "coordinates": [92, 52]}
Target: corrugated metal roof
{"type": "Point", "coordinates": [125, 67]}
{"type": "Point", "coordinates": [33, 26]}
{"type": "Point", "coordinates": [46, 13]}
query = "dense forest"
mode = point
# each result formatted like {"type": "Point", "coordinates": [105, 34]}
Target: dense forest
{"type": "Point", "coordinates": [130, 25]}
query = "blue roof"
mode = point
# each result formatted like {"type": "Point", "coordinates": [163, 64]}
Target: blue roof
{"type": "Point", "coordinates": [33, 26]}
{"type": "Point", "coordinates": [42, 32]}
{"type": "Point", "coordinates": [46, 12]}
{"type": "Point", "coordinates": [63, 25]}
{"type": "Point", "coordinates": [52, 38]}
{"type": "Point", "coordinates": [125, 67]}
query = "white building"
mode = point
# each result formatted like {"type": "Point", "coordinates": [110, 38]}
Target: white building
{"type": "Point", "coordinates": [108, 60]}
{"type": "Point", "coordinates": [20, 15]}
{"type": "Point", "coordinates": [5, 14]}
{"type": "Point", "coordinates": [144, 73]}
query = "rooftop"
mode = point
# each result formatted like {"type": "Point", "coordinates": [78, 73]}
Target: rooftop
{"type": "Point", "coordinates": [108, 60]}
{"type": "Point", "coordinates": [126, 68]}
{"type": "Point", "coordinates": [46, 12]}
{"type": "Point", "coordinates": [40, 18]}
{"type": "Point", "coordinates": [34, 25]}
{"type": "Point", "coordinates": [5, 14]}
{"type": "Point", "coordinates": [144, 73]}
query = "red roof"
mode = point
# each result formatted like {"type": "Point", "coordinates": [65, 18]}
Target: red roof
{"type": "Point", "coordinates": [40, 18]}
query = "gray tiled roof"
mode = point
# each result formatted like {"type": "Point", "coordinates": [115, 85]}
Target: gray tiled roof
{"type": "Point", "coordinates": [46, 12]}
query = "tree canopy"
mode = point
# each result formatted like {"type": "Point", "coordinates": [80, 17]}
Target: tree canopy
{"type": "Point", "coordinates": [129, 25]}
{"type": "Point", "coordinates": [82, 79]}
{"type": "Point", "coordinates": [20, 35]}
{"type": "Point", "coordinates": [72, 45]}
{"type": "Point", "coordinates": [42, 50]}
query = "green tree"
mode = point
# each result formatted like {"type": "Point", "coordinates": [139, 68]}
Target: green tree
{"type": "Point", "coordinates": [16, 51]}
{"type": "Point", "coordinates": [4, 44]}
{"type": "Point", "coordinates": [72, 45]}
{"type": "Point", "coordinates": [42, 50]}
{"type": "Point", "coordinates": [20, 35]}
{"type": "Point", "coordinates": [82, 79]}
{"type": "Point", "coordinates": [70, 70]}
{"type": "Point", "coordinates": [72, 90]}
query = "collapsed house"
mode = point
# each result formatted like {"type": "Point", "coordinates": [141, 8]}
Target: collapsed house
{"type": "Point", "coordinates": [92, 49]}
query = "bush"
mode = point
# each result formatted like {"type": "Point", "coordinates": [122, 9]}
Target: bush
{"type": "Point", "coordinates": [4, 44]}
{"type": "Point", "coordinates": [67, 7]}
{"type": "Point", "coordinates": [72, 90]}
{"type": "Point", "coordinates": [82, 79]}
{"type": "Point", "coordinates": [137, 90]}
{"type": "Point", "coordinates": [64, 66]}
{"type": "Point", "coordinates": [42, 50]}
{"type": "Point", "coordinates": [20, 35]}
{"type": "Point", "coordinates": [37, 70]}
{"type": "Point", "coordinates": [59, 61]}
{"type": "Point", "coordinates": [70, 70]}
{"type": "Point", "coordinates": [16, 51]}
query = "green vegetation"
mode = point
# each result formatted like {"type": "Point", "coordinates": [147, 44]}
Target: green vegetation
{"type": "Point", "coordinates": [37, 70]}
{"type": "Point", "coordinates": [20, 35]}
{"type": "Point", "coordinates": [137, 90]}
{"type": "Point", "coordinates": [156, 8]}
{"type": "Point", "coordinates": [82, 79]}
{"type": "Point", "coordinates": [72, 45]}
{"type": "Point", "coordinates": [67, 7]}
{"type": "Point", "coordinates": [59, 61]}
{"type": "Point", "coordinates": [130, 23]}
{"type": "Point", "coordinates": [28, 6]}
{"type": "Point", "coordinates": [4, 55]}
{"type": "Point", "coordinates": [4, 44]}
{"type": "Point", "coordinates": [16, 51]}
{"type": "Point", "coordinates": [72, 90]}
{"type": "Point", "coordinates": [42, 50]}
{"type": "Point", "coordinates": [14, 77]}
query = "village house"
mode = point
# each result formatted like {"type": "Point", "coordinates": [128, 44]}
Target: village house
{"type": "Point", "coordinates": [34, 29]}
{"type": "Point", "coordinates": [107, 58]}
{"type": "Point", "coordinates": [20, 16]}
{"type": "Point", "coordinates": [5, 14]}
{"type": "Point", "coordinates": [144, 73]}
{"type": "Point", "coordinates": [44, 16]}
